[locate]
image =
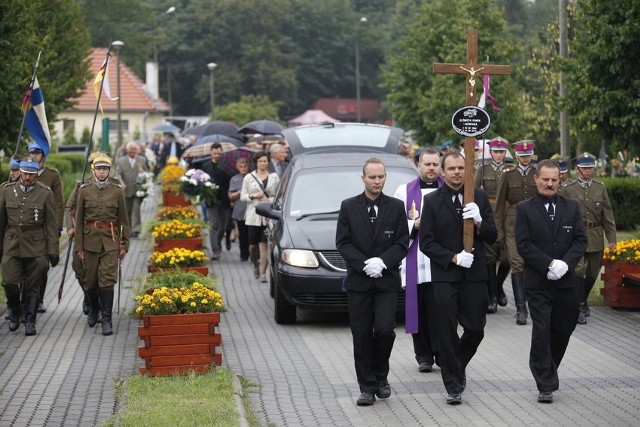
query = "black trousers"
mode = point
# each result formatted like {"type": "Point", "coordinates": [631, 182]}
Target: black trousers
{"type": "Point", "coordinates": [463, 303]}
{"type": "Point", "coordinates": [372, 316]}
{"type": "Point", "coordinates": [554, 313]}
{"type": "Point", "coordinates": [425, 342]}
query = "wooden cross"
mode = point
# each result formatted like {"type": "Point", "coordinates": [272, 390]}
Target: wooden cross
{"type": "Point", "coordinates": [472, 70]}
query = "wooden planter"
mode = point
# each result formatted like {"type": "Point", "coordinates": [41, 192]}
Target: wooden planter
{"type": "Point", "coordinates": [179, 343]}
{"type": "Point", "coordinates": [202, 270]}
{"type": "Point", "coordinates": [616, 290]}
{"type": "Point", "coordinates": [172, 199]}
{"type": "Point", "coordinates": [167, 244]}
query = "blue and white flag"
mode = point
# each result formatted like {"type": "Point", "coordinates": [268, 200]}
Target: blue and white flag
{"type": "Point", "coordinates": [36, 117]}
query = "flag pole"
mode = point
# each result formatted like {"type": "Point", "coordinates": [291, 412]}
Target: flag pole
{"type": "Point", "coordinates": [24, 113]}
{"type": "Point", "coordinates": [84, 169]}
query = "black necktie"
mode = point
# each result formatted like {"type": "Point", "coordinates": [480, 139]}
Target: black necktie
{"type": "Point", "coordinates": [551, 210]}
{"type": "Point", "coordinates": [456, 202]}
{"type": "Point", "coordinates": [372, 213]}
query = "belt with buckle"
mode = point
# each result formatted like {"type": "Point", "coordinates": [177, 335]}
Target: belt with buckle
{"type": "Point", "coordinates": [101, 224]}
{"type": "Point", "coordinates": [591, 224]}
{"type": "Point", "coordinates": [26, 227]}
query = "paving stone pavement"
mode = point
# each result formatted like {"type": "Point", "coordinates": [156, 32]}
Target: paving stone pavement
{"type": "Point", "coordinates": [304, 375]}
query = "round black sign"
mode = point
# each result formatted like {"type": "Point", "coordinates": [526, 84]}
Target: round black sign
{"type": "Point", "coordinates": [470, 121]}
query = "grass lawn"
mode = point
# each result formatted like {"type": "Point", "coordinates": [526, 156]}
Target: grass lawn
{"type": "Point", "coordinates": [190, 400]}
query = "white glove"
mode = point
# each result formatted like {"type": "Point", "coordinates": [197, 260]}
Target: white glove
{"type": "Point", "coordinates": [559, 268]}
{"type": "Point", "coordinates": [373, 267]}
{"type": "Point", "coordinates": [464, 259]}
{"type": "Point", "coordinates": [551, 275]}
{"type": "Point", "coordinates": [471, 211]}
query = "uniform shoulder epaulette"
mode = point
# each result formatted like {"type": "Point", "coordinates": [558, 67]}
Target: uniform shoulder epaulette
{"type": "Point", "coordinates": [85, 184]}
{"type": "Point", "coordinates": [571, 182]}
{"type": "Point", "coordinates": [43, 185]}
{"type": "Point", "coordinates": [7, 184]}
{"type": "Point", "coordinates": [115, 184]}
{"type": "Point", "coordinates": [508, 168]}
{"type": "Point", "coordinates": [599, 182]}
{"type": "Point", "coordinates": [51, 169]}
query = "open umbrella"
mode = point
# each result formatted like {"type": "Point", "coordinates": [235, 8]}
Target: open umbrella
{"type": "Point", "coordinates": [165, 127]}
{"type": "Point", "coordinates": [211, 128]}
{"type": "Point", "coordinates": [203, 151]}
{"type": "Point", "coordinates": [219, 138]}
{"type": "Point", "coordinates": [230, 158]}
{"type": "Point", "coordinates": [263, 127]}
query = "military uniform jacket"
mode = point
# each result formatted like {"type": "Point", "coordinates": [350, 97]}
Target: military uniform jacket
{"type": "Point", "coordinates": [596, 211]}
{"type": "Point", "coordinates": [106, 207]}
{"type": "Point", "coordinates": [512, 189]}
{"type": "Point", "coordinates": [70, 207]}
{"type": "Point", "coordinates": [34, 211]}
{"type": "Point", "coordinates": [51, 178]}
{"type": "Point", "coordinates": [488, 178]}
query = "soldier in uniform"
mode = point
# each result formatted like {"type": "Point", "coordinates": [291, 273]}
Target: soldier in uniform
{"type": "Point", "coordinates": [597, 216]}
{"type": "Point", "coordinates": [51, 178]}
{"type": "Point", "coordinates": [515, 186]}
{"type": "Point", "coordinates": [29, 228]}
{"type": "Point", "coordinates": [101, 239]}
{"type": "Point", "coordinates": [70, 220]}
{"type": "Point", "coordinates": [487, 177]}
{"type": "Point", "coordinates": [564, 173]}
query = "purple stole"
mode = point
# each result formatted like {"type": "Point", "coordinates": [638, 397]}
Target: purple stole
{"type": "Point", "coordinates": [414, 193]}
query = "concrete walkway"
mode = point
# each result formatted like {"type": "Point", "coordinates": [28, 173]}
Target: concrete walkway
{"type": "Point", "coordinates": [304, 375]}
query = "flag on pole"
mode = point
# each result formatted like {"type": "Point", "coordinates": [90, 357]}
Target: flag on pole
{"type": "Point", "coordinates": [36, 117]}
{"type": "Point", "coordinates": [486, 94]}
{"type": "Point", "coordinates": [102, 75]}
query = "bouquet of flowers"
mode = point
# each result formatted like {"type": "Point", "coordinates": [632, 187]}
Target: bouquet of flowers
{"type": "Point", "coordinates": [196, 298]}
{"type": "Point", "coordinates": [177, 229]}
{"type": "Point", "coordinates": [170, 178]}
{"type": "Point", "coordinates": [625, 251]}
{"type": "Point", "coordinates": [197, 185]}
{"type": "Point", "coordinates": [176, 212]}
{"type": "Point", "coordinates": [144, 184]}
{"type": "Point", "coordinates": [178, 257]}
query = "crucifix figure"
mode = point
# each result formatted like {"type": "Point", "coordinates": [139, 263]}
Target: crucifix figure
{"type": "Point", "coordinates": [471, 70]}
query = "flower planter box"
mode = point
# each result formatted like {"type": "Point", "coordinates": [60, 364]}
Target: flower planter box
{"type": "Point", "coordinates": [202, 270]}
{"type": "Point", "coordinates": [167, 244]}
{"type": "Point", "coordinates": [172, 199]}
{"type": "Point", "coordinates": [616, 293]}
{"type": "Point", "coordinates": [179, 343]}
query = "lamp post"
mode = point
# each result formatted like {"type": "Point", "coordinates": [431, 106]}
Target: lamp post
{"type": "Point", "coordinates": [212, 94]}
{"type": "Point", "coordinates": [358, 115]}
{"type": "Point", "coordinates": [117, 45]}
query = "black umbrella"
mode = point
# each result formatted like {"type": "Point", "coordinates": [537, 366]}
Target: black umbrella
{"type": "Point", "coordinates": [212, 128]}
{"type": "Point", "coordinates": [263, 127]}
{"type": "Point", "coordinates": [165, 127]}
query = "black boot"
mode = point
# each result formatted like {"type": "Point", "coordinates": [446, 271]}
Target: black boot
{"type": "Point", "coordinates": [588, 286]}
{"type": "Point", "coordinates": [518, 295]}
{"type": "Point", "coordinates": [501, 276]}
{"type": "Point", "coordinates": [30, 316]}
{"type": "Point", "coordinates": [14, 311]}
{"type": "Point", "coordinates": [86, 305]}
{"type": "Point", "coordinates": [492, 289]}
{"type": "Point", "coordinates": [94, 307]}
{"type": "Point", "coordinates": [582, 318]}
{"type": "Point", "coordinates": [43, 288]}
{"type": "Point", "coordinates": [106, 303]}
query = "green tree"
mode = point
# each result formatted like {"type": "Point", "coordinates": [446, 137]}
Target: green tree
{"type": "Point", "coordinates": [57, 29]}
{"type": "Point", "coordinates": [424, 102]}
{"type": "Point", "coordinates": [603, 71]}
{"type": "Point", "coordinates": [248, 109]}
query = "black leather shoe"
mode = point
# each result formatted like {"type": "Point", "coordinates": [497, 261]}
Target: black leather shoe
{"type": "Point", "coordinates": [521, 317]}
{"type": "Point", "coordinates": [85, 305]}
{"type": "Point", "coordinates": [384, 389]}
{"type": "Point", "coordinates": [366, 399]}
{"type": "Point", "coordinates": [492, 307]}
{"type": "Point", "coordinates": [582, 318]}
{"type": "Point", "coordinates": [502, 300]}
{"type": "Point", "coordinates": [545, 397]}
{"type": "Point", "coordinates": [41, 308]}
{"type": "Point", "coordinates": [587, 312]}
{"type": "Point", "coordinates": [425, 367]}
{"type": "Point", "coordinates": [454, 399]}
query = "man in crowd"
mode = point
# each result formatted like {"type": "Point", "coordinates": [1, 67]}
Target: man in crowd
{"type": "Point", "coordinates": [458, 277]}
{"type": "Point", "coordinates": [128, 170]}
{"type": "Point", "coordinates": [51, 178]}
{"type": "Point", "coordinates": [101, 240]}
{"type": "Point", "coordinates": [597, 217]}
{"type": "Point", "coordinates": [515, 186]}
{"type": "Point", "coordinates": [564, 173]}
{"type": "Point", "coordinates": [551, 239]}
{"type": "Point", "coordinates": [29, 227]}
{"type": "Point", "coordinates": [487, 178]}
{"type": "Point", "coordinates": [372, 238]}
{"type": "Point", "coordinates": [416, 267]}
{"type": "Point", "coordinates": [218, 214]}
{"type": "Point", "coordinates": [278, 153]}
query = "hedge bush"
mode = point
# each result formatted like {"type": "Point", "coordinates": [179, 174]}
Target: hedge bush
{"type": "Point", "coordinates": [624, 194]}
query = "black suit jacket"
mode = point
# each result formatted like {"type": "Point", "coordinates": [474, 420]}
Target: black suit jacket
{"type": "Point", "coordinates": [540, 240]}
{"type": "Point", "coordinates": [221, 179]}
{"type": "Point", "coordinates": [441, 236]}
{"type": "Point", "coordinates": [357, 241]}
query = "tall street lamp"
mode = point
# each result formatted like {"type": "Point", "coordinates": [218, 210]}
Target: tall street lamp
{"type": "Point", "coordinates": [358, 115]}
{"type": "Point", "coordinates": [117, 45]}
{"type": "Point", "coordinates": [212, 94]}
